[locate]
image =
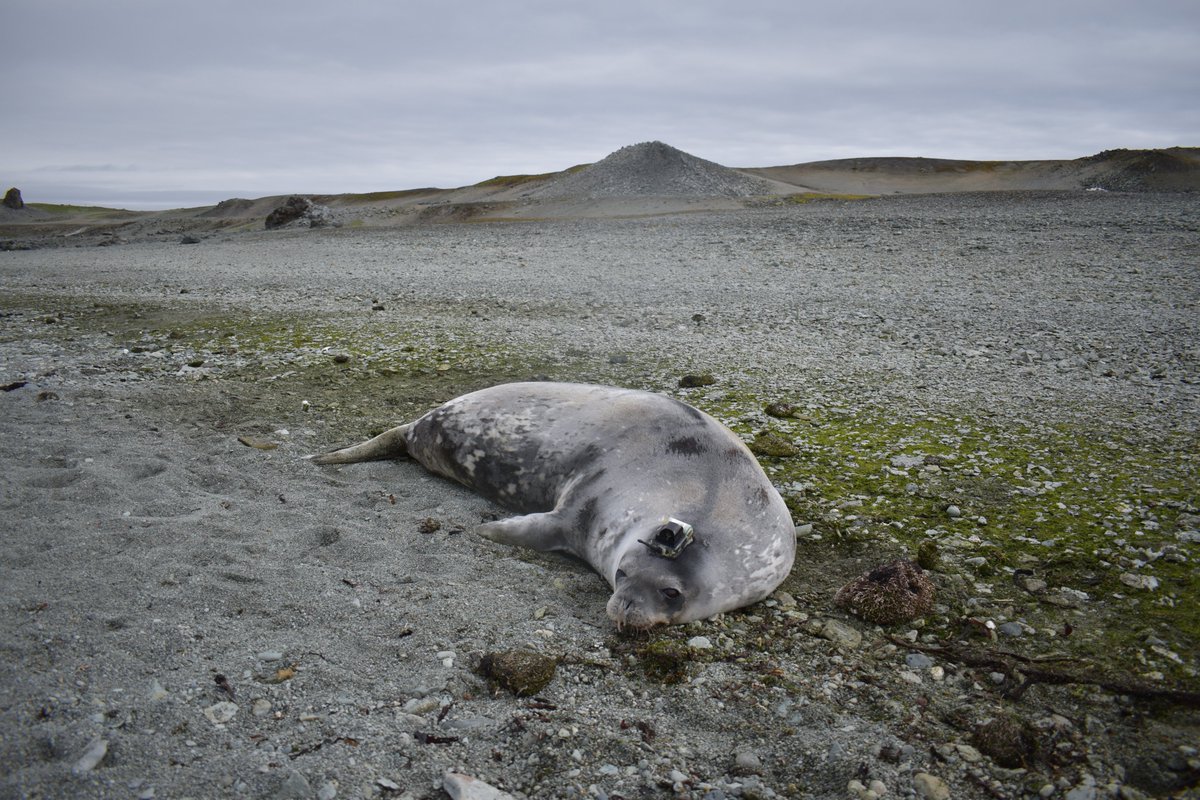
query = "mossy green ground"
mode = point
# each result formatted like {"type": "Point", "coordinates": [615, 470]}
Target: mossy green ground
{"type": "Point", "coordinates": [1084, 508]}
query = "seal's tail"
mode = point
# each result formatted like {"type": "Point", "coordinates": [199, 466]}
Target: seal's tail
{"type": "Point", "coordinates": [389, 444]}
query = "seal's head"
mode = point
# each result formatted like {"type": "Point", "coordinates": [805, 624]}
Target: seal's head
{"type": "Point", "coordinates": [668, 577]}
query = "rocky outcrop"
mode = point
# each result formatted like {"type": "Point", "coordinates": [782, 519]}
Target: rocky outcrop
{"type": "Point", "coordinates": [12, 199]}
{"type": "Point", "coordinates": [300, 211]}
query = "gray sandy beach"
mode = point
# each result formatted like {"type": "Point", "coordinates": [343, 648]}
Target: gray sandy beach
{"type": "Point", "coordinates": [1008, 383]}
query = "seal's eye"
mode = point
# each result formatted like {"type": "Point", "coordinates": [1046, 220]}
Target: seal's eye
{"type": "Point", "coordinates": [670, 593]}
{"type": "Point", "coordinates": [621, 575]}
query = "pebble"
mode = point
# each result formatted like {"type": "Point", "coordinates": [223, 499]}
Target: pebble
{"type": "Point", "coordinates": [953, 511]}
{"type": "Point", "coordinates": [219, 713]}
{"type": "Point", "coordinates": [918, 661]}
{"type": "Point", "coordinates": [157, 692]}
{"type": "Point", "coordinates": [91, 758]}
{"type": "Point", "coordinates": [1147, 582]}
{"type": "Point", "coordinates": [1013, 629]}
{"type": "Point", "coordinates": [465, 787]}
{"type": "Point", "coordinates": [294, 787]}
{"type": "Point", "coordinates": [270, 655]}
{"type": "Point", "coordinates": [747, 762]}
{"type": "Point", "coordinates": [700, 643]}
{"type": "Point", "coordinates": [930, 787]}
{"type": "Point", "coordinates": [328, 791]}
{"type": "Point", "coordinates": [838, 632]}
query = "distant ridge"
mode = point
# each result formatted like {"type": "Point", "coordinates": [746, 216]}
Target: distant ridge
{"type": "Point", "coordinates": [1174, 169]}
{"type": "Point", "coordinates": [654, 169]}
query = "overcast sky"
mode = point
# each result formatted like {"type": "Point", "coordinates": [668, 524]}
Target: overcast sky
{"type": "Point", "coordinates": [166, 103]}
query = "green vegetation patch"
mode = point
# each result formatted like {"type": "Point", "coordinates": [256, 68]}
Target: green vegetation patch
{"type": "Point", "coordinates": [1079, 534]}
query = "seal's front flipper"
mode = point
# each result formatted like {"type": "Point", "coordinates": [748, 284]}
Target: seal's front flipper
{"type": "Point", "coordinates": [537, 531]}
{"type": "Point", "coordinates": [389, 444]}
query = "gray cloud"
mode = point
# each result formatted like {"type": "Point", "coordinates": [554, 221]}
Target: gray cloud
{"type": "Point", "coordinates": [228, 98]}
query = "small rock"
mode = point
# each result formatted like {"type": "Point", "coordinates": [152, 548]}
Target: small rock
{"type": "Point", "coordinates": [968, 753]}
{"type": "Point", "coordinates": [930, 787]}
{"type": "Point", "coordinates": [953, 511]}
{"type": "Point", "coordinates": [464, 787]}
{"type": "Point", "coordinates": [220, 712]}
{"type": "Point", "coordinates": [747, 762]}
{"type": "Point", "coordinates": [328, 791]}
{"type": "Point", "coordinates": [185, 239]}
{"type": "Point", "coordinates": [294, 787]}
{"type": "Point", "coordinates": [839, 633]}
{"type": "Point", "coordinates": [695, 381]}
{"type": "Point", "coordinates": [1013, 629]}
{"type": "Point", "coordinates": [261, 707]}
{"type": "Point", "coordinates": [772, 446]}
{"type": "Point", "coordinates": [270, 655]}
{"type": "Point", "coordinates": [700, 643]}
{"type": "Point", "coordinates": [91, 758]}
{"type": "Point", "coordinates": [157, 692]}
{"type": "Point", "coordinates": [1147, 582]}
{"type": "Point", "coordinates": [918, 661]}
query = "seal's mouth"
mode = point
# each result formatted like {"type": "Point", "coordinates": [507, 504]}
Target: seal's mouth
{"type": "Point", "coordinates": [626, 614]}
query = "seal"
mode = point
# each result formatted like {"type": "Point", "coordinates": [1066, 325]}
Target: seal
{"type": "Point", "coordinates": [664, 502]}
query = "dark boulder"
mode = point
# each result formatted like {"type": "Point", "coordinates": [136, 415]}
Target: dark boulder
{"type": "Point", "coordinates": [300, 211]}
{"type": "Point", "coordinates": [12, 199]}
{"type": "Point", "coordinates": [294, 208]}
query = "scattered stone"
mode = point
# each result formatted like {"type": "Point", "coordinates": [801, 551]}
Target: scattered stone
{"type": "Point", "coordinates": [429, 525]}
{"type": "Point", "coordinates": [294, 787]}
{"type": "Point", "coordinates": [91, 758]}
{"type": "Point", "coordinates": [888, 594]}
{"type": "Point", "coordinates": [747, 762]}
{"type": "Point", "coordinates": [1013, 629]}
{"type": "Point", "coordinates": [928, 556]}
{"type": "Point", "coordinates": [918, 661]}
{"type": "Point", "coordinates": [186, 239]}
{"type": "Point", "coordinates": [700, 643]}
{"type": "Point", "coordinates": [930, 787]}
{"type": "Point", "coordinates": [220, 713]}
{"type": "Point", "coordinates": [1147, 582]}
{"type": "Point", "coordinates": [838, 632]}
{"type": "Point", "coordinates": [772, 446]}
{"type": "Point", "coordinates": [157, 692]}
{"type": "Point", "coordinates": [953, 511]}
{"type": "Point", "coordinates": [781, 410]}
{"type": "Point", "coordinates": [696, 381]}
{"type": "Point", "coordinates": [1024, 580]}
{"type": "Point", "coordinates": [464, 787]}
{"type": "Point", "coordinates": [522, 672]}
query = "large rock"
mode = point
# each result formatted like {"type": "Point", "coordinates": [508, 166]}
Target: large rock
{"type": "Point", "coordinates": [300, 210]}
{"type": "Point", "coordinates": [12, 199]}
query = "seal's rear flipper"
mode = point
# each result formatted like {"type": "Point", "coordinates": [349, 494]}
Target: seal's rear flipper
{"type": "Point", "coordinates": [389, 444]}
{"type": "Point", "coordinates": [536, 531]}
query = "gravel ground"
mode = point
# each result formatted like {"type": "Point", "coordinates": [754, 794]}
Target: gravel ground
{"type": "Point", "coordinates": [967, 370]}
